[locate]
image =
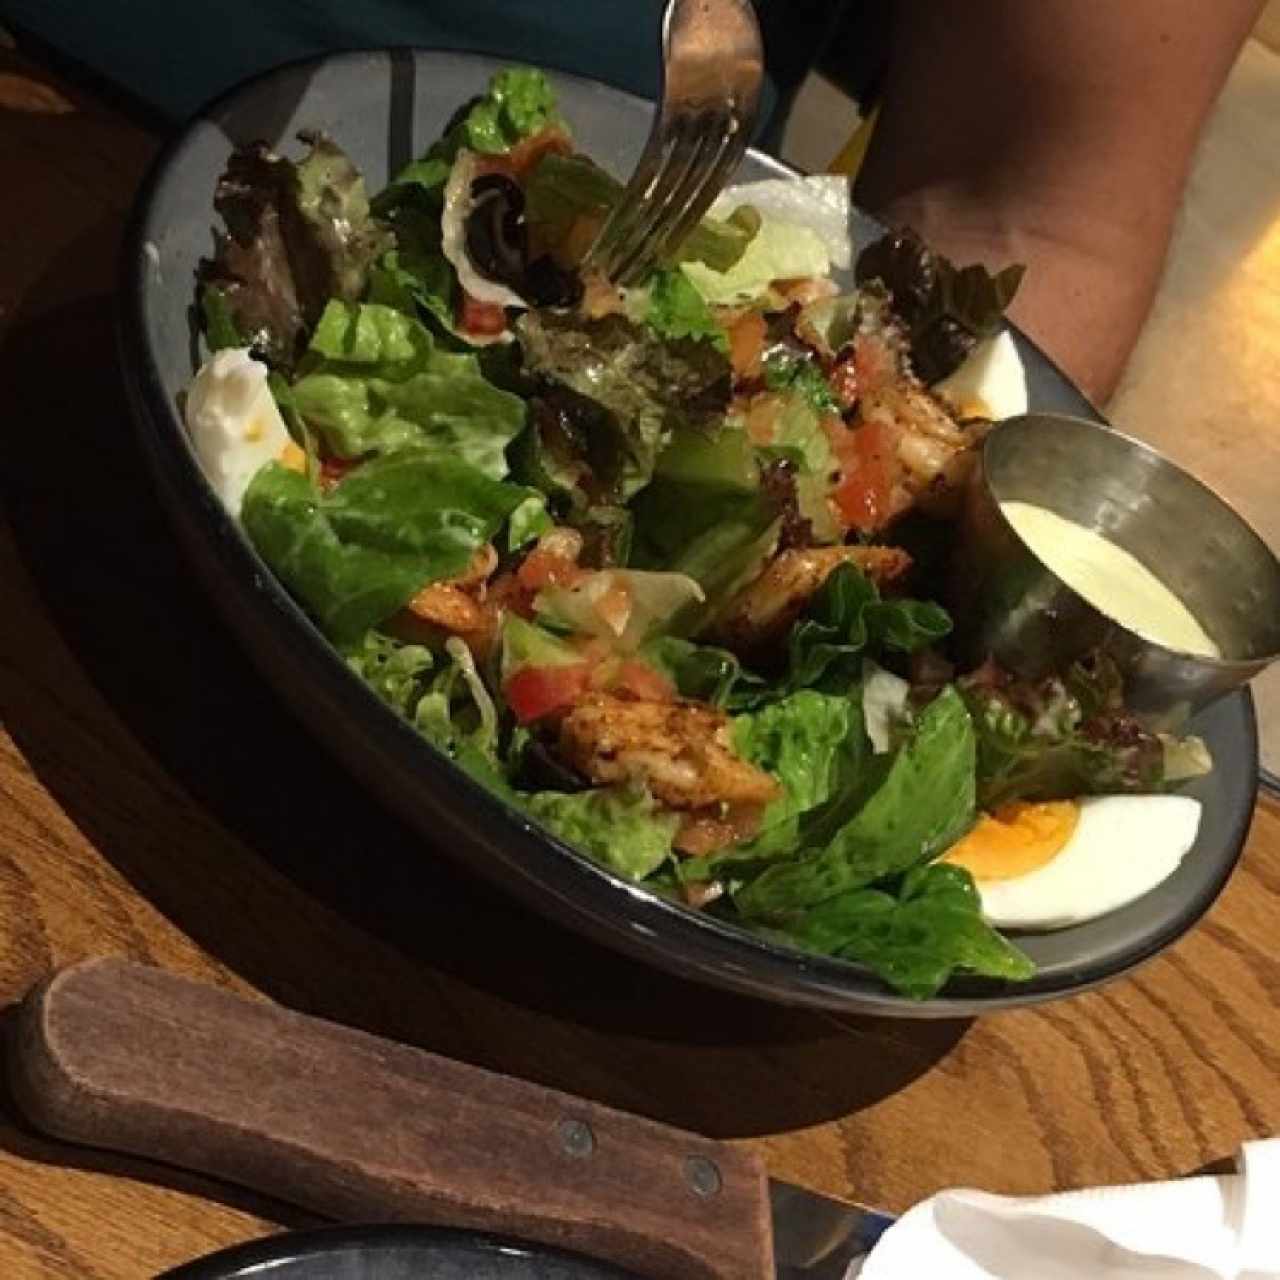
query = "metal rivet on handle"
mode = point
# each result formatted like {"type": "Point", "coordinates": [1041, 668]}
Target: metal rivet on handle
{"type": "Point", "coordinates": [576, 1138]}
{"type": "Point", "coordinates": [703, 1176]}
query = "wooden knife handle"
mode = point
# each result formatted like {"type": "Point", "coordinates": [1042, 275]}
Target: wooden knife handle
{"type": "Point", "coordinates": [118, 1055]}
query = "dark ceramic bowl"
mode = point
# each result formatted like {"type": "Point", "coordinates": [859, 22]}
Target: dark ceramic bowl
{"type": "Point", "coordinates": [393, 1253]}
{"type": "Point", "coordinates": [383, 108]}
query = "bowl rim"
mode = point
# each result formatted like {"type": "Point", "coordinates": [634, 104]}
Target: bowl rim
{"type": "Point", "coordinates": [663, 933]}
{"type": "Point", "coordinates": [1241, 667]}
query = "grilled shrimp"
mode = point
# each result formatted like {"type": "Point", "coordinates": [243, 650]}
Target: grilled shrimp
{"type": "Point", "coordinates": [933, 452]}
{"type": "Point", "coordinates": [761, 613]}
{"type": "Point", "coordinates": [681, 750]}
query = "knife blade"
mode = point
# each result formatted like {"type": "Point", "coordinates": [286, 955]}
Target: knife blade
{"type": "Point", "coordinates": [130, 1058]}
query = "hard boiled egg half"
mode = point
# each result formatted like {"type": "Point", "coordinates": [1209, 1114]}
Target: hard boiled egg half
{"type": "Point", "coordinates": [234, 423]}
{"type": "Point", "coordinates": [1056, 863]}
{"type": "Point", "coordinates": [991, 383]}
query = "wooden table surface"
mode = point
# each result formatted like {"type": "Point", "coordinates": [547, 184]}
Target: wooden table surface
{"type": "Point", "coordinates": [159, 802]}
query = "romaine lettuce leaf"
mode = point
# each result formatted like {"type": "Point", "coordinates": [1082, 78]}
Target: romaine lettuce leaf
{"type": "Point", "coordinates": [355, 555]}
{"type": "Point", "coordinates": [845, 620]}
{"type": "Point", "coordinates": [914, 940]}
{"type": "Point", "coordinates": [799, 741]}
{"type": "Point", "coordinates": [618, 827]}
{"type": "Point", "coordinates": [706, 515]}
{"type": "Point", "coordinates": [697, 671]}
{"type": "Point", "coordinates": [778, 251]}
{"type": "Point", "coordinates": [924, 804]}
{"type": "Point", "coordinates": [375, 381]}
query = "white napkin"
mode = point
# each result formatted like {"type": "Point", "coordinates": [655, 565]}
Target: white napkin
{"type": "Point", "coordinates": [1205, 1228]}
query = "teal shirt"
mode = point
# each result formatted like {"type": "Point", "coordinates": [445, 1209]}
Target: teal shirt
{"type": "Point", "coordinates": [174, 56]}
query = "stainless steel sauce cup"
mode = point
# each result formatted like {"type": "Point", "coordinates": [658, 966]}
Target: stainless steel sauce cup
{"type": "Point", "coordinates": [1010, 606]}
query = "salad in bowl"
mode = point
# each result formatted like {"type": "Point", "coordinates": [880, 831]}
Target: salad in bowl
{"type": "Point", "coordinates": [659, 565]}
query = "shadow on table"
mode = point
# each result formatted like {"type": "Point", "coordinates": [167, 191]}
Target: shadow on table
{"type": "Point", "coordinates": [453, 965]}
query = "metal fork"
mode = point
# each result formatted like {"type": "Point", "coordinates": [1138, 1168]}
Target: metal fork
{"type": "Point", "coordinates": [712, 67]}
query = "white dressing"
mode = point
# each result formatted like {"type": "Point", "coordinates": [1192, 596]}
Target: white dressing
{"type": "Point", "coordinates": [1111, 579]}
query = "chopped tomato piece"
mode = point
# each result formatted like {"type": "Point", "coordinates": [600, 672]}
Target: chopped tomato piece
{"type": "Point", "coordinates": [862, 496]}
{"type": "Point", "coordinates": [873, 362]}
{"type": "Point", "coordinates": [333, 469]}
{"type": "Point", "coordinates": [534, 692]}
{"type": "Point", "coordinates": [481, 318]}
{"type": "Point", "coordinates": [641, 681]}
{"type": "Point", "coordinates": [746, 344]}
{"type": "Point", "coordinates": [542, 568]}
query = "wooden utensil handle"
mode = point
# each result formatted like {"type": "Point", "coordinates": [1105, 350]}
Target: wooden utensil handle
{"type": "Point", "coordinates": [119, 1055]}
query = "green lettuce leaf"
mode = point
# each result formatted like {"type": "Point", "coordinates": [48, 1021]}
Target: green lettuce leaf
{"type": "Point", "coordinates": [698, 671]}
{"type": "Point", "coordinates": [845, 620]}
{"type": "Point", "coordinates": [219, 322]}
{"type": "Point", "coordinates": [924, 804]}
{"type": "Point", "coordinates": [331, 196]}
{"type": "Point", "coordinates": [676, 310]}
{"type": "Point", "coordinates": [804, 742]}
{"type": "Point", "coordinates": [777, 251]}
{"type": "Point", "coordinates": [518, 103]}
{"type": "Point", "coordinates": [375, 382]}
{"type": "Point", "coordinates": [442, 696]}
{"type": "Point", "coordinates": [621, 391]}
{"type": "Point", "coordinates": [917, 939]}
{"type": "Point", "coordinates": [355, 555]}
{"type": "Point", "coordinates": [529, 521]}
{"type": "Point", "coordinates": [706, 515]}
{"type": "Point", "coordinates": [618, 827]}
{"type": "Point", "coordinates": [797, 374]}
{"type": "Point", "coordinates": [800, 438]}
{"type": "Point", "coordinates": [1060, 737]}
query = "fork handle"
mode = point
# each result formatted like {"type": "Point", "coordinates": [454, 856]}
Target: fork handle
{"type": "Point", "coordinates": [119, 1055]}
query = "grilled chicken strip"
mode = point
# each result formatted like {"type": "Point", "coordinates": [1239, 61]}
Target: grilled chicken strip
{"type": "Point", "coordinates": [453, 606]}
{"type": "Point", "coordinates": [761, 613]}
{"type": "Point", "coordinates": [682, 750]}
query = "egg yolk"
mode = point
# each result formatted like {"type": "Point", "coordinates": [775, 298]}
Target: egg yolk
{"type": "Point", "coordinates": [1015, 839]}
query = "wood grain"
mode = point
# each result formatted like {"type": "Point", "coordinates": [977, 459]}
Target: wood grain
{"type": "Point", "coordinates": [157, 802]}
{"type": "Point", "coordinates": [126, 1057]}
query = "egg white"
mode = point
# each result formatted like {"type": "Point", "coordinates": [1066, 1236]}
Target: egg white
{"type": "Point", "coordinates": [234, 423]}
{"type": "Point", "coordinates": [991, 383]}
{"type": "Point", "coordinates": [1121, 848]}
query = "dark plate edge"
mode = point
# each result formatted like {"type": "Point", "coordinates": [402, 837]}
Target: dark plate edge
{"type": "Point", "coordinates": [240, 1262]}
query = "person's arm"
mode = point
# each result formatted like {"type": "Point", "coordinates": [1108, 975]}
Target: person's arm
{"type": "Point", "coordinates": [1056, 133]}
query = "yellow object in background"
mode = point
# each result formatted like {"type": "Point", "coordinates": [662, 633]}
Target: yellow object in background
{"type": "Point", "coordinates": [849, 159]}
